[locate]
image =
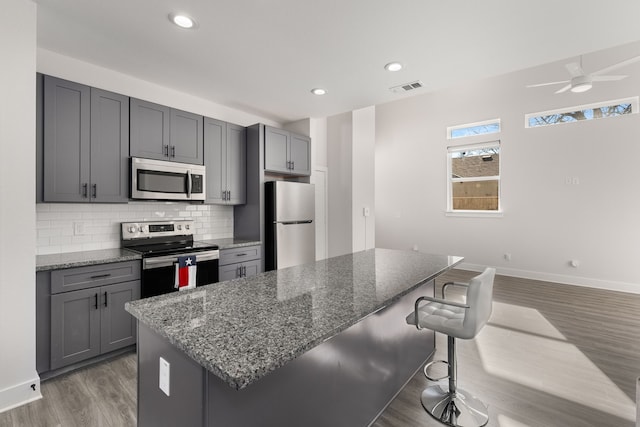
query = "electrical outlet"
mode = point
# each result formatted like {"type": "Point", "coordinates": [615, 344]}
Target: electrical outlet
{"type": "Point", "coordinates": [164, 376]}
{"type": "Point", "coordinates": [366, 211]}
{"type": "Point", "coordinates": [78, 228]}
{"type": "Point", "coordinates": [507, 257]}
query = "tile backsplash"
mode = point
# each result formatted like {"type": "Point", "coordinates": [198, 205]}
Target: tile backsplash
{"type": "Point", "coordinates": [71, 227]}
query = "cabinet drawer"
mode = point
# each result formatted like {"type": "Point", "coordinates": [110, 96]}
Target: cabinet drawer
{"type": "Point", "coordinates": [72, 279]}
{"type": "Point", "coordinates": [247, 253]}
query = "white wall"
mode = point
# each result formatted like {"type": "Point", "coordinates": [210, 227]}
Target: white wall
{"type": "Point", "coordinates": [546, 221]}
{"type": "Point", "coordinates": [65, 67]}
{"type": "Point", "coordinates": [17, 207]}
{"type": "Point", "coordinates": [363, 178]}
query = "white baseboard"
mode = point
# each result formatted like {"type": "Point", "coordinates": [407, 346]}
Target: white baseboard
{"type": "Point", "coordinates": [633, 288]}
{"type": "Point", "coordinates": [20, 394]}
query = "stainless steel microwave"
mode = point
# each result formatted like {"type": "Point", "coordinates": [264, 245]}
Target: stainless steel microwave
{"type": "Point", "coordinates": [162, 180]}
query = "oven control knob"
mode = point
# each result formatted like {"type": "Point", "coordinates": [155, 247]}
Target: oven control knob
{"type": "Point", "coordinates": [179, 227]}
{"type": "Point", "coordinates": [143, 228]}
{"type": "Point", "coordinates": [132, 229]}
{"type": "Point", "coordinates": [187, 226]}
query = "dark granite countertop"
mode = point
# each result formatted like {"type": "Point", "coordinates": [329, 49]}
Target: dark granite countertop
{"type": "Point", "coordinates": [242, 329]}
{"type": "Point", "coordinates": [79, 259]}
{"type": "Point", "coordinates": [231, 243]}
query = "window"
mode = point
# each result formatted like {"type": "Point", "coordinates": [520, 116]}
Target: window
{"type": "Point", "coordinates": [471, 129]}
{"type": "Point", "coordinates": [584, 112]}
{"type": "Point", "coordinates": [474, 177]}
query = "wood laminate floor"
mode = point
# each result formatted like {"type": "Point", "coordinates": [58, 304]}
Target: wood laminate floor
{"type": "Point", "coordinates": [551, 355]}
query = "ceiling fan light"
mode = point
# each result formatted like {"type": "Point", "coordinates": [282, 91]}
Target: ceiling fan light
{"type": "Point", "coordinates": [581, 84]}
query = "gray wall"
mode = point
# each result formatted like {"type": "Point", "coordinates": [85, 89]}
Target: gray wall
{"type": "Point", "coordinates": [339, 155]}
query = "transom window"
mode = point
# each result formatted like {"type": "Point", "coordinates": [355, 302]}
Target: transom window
{"type": "Point", "coordinates": [600, 110]}
{"type": "Point", "coordinates": [474, 177]}
{"type": "Point", "coordinates": [471, 129]}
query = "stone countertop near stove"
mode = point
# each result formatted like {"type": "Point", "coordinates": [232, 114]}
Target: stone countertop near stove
{"type": "Point", "coordinates": [241, 330]}
{"type": "Point", "coordinates": [79, 259]}
{"type": "Point", "coordinates": [231, 243]}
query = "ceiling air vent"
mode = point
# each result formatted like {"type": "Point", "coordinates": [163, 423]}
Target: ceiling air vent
{"type": "Point", "coordinates": [406, 87]}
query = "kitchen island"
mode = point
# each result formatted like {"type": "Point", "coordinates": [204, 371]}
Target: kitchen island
{"type": "Point", "coordinates": [321, 344]}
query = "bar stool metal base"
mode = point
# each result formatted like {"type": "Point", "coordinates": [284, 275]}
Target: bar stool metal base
{"type": "Point", "coordinates": [458, 409]}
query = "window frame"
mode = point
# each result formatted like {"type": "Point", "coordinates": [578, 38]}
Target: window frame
{"type": "Point", "coordinates": [496, 143]}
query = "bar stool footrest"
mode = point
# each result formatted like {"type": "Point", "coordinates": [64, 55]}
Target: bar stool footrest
{"type": "Point", "coordinates": [428, 365]}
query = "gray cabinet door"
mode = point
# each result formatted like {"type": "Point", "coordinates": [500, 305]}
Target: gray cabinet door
{"type": "Point", "coordinates": [150, 130]}
{"type": "Point", "coordinates": [276, 150]}
{"type": "Point", "coordinates": [215, 136]}
{"type": "Point", "coordinates": [66, 140]}
{"type": "Point", "coordinates": [300, 154]}
{"type": "Point", "coordinates": [75, 327]}
{"type": "Point", "coordinates": [186, 137]}
{"type": "Point", "coordinates": [228, 272]}
{"type": "Point", "coordinates": [236, 164]}
{"type": "Point", "coordinates": [252, 268]}
{"type": "Point", "coordinates": [109, 147]}
{"type": "Point", "coordinates": [117, 327]}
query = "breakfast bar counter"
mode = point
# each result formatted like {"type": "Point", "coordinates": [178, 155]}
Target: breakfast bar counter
{"type": "Point", "coordinates": [318, 344]}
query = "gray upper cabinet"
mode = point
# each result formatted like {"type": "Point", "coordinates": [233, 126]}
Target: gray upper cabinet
{"type": "Point", "coordinates": [67, 128]}
{"type": "Point", "coordinates": [109, 147]}
{"type": "Point", "coordinates": [85, 143]}
{"type": "Point", "coordinates": [300, 154]}
{"type": "Point", "coordinates": [186, 137]}
{"type": "Point", "coordinates": [286, 152]}
{"type": "Point", "coordinates": [225, 146]}
{"type": "Point", "coordinates": [150, 124]}
{"type": "Point", "coordinates": [163, 133]}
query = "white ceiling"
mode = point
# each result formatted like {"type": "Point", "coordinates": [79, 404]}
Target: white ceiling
{"type": "Point", "coordinates": [264, 56]}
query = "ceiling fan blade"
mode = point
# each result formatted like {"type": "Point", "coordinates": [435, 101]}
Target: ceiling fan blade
{"type": "Point", "coordinates": [616, 66]}
{"type": "Point", "coordinates": [564, 89]}
{"type": "Point", "coordinates": [574, 69]}
{"type": "Point", "coordinates": [607, 78]}
{"type": "Point", "coordinates": [549, 83]}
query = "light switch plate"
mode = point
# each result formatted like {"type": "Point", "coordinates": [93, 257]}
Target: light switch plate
{"type": "Point", "coordinates": [164, 376]}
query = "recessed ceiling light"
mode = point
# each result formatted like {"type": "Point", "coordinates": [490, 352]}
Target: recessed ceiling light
{"type": "Point", "coordinates": [182, 20]}
{"type": "Point", "coordinates": [318, 91]}
{"type": "Point", "coordinates": [393, 66]}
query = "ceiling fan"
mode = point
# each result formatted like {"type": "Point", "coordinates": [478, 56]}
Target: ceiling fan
{"type": "Point", "coordinates": [582, 82]}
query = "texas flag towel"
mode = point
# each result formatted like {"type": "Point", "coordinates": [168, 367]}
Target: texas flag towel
{"type": "Point", "coordinates": [186, 273]}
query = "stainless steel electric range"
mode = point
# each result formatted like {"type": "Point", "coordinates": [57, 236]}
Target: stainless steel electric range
{"type": "Point", "coordinates": [161, 243]}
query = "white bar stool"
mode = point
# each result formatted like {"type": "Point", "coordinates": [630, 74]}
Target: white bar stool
{"type": "Point", "coordinates": [453, 406]}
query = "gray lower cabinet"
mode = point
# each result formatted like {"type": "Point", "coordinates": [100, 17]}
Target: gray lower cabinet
{"type": "Point", "coordinates": [286, 152]}
{"type": "Point", "coordinates": [80, 313]}
{"type": "Point", "coordinates": [225, 148]}
{"type": "Point", "coordinates": [240, 262]}
{"type": "Point", "coordinates": [85, 140]}
{"type": "Point", "coordinates": [163, 133]}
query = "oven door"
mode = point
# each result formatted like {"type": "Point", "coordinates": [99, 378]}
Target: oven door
{"type": "Point", "coordinates": [158, 273]}
{"type": "Point", "coordinates": [160, 180]}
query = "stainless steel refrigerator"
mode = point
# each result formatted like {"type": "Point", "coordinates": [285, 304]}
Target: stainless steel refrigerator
{"type": "Point", "coordinates": [290, 229]}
